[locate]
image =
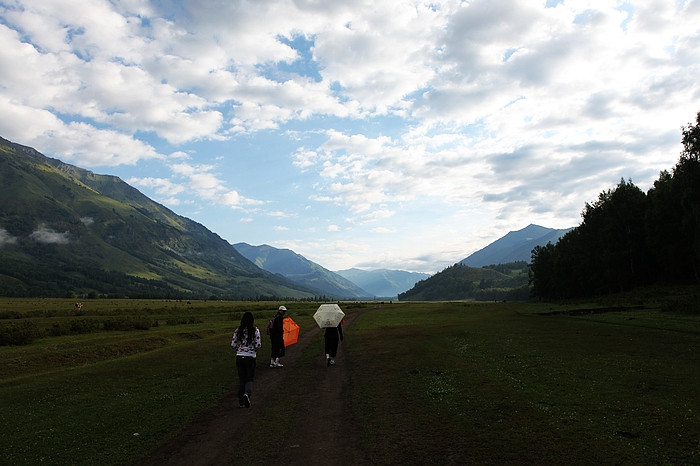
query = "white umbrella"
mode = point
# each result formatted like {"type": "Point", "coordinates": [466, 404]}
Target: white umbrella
{"type": "Point", "coordinates": [328, 315]}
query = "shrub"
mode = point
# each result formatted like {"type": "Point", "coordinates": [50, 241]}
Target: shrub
{"type": "Point", "coordinates": [682, 305]}
{"type": "Point", "coordinates": [183, 320]}
{"type": "Point", "coordinates": [133, 323]}
{"type": "Point", "coordinates": [84, 325]}
{"type": "Point", "coordinates": [17, 333]}
{"type": "Point", "coordinates": [59, 328]}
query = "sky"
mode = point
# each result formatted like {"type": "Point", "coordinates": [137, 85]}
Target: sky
{"type": "Point", "coordinates": [371, 134]}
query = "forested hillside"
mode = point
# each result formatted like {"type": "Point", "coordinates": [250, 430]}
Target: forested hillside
{"type": "Point", "coordinates": [461, 282]}
{"type": "Point", "coordinates": [628, 238]}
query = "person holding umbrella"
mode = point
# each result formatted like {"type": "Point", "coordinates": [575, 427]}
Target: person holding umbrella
{"type": "Point", "coordinates": [277, 337]}
{"type": "Point", "coordinates": [330, 318]}
{"type": "Point", "coordinates": [246, 341]}
{"type": "Point", "coordinates": [330, 338]}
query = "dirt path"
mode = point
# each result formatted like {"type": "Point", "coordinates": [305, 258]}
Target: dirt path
{"type": "Point", "coordinates": [325, 433]}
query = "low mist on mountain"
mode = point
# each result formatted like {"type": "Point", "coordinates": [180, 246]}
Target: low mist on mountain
{"type": "Point", "coordinates": [66, 231]}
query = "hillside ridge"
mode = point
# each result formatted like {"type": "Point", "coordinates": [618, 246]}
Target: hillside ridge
{"type": "Point", "coordinates": [515, 246]}
{"type": "Point", "coordinates": [301, 270]}
{"type": "Point", "coordinates": [65, 230]}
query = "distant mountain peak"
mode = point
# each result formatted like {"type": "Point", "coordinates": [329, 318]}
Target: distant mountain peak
{"type": "Point", "coordinates": [299, 269]}
{"type": "Point", "coordinates": [383, 283]}
{"type": "Point", "coordinates": [515, 246]}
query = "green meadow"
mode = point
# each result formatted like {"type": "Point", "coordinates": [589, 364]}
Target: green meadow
{"type": "Point", "coordinates": [503, 383]}
{"type": "Point", "coordinates": [438, 383]}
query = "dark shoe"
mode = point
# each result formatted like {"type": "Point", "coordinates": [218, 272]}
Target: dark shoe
{"type": "Point", "coordinates": [246, 398]}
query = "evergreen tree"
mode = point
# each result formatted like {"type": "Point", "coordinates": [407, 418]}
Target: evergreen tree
{"type": "Point", "coordinates": [627, 238]}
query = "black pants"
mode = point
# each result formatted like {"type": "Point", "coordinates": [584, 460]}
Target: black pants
{"type": "Point", "coordinates": [246, 373]}
{"type": "Point", "coordinates": [277, 343]}
{"type": "Point", "coordinates": [331, 343]}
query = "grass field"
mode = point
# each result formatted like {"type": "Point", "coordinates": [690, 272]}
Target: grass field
{"type": "Point", "coordinates": [438, 383]}
{"type": "Point", "coordinates": [106, 397]}
{"type": "Point", "coordinates": [501, 383]}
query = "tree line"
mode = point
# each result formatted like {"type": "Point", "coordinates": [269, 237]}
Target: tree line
{"type": "Point", "coordinates": [629, 238]}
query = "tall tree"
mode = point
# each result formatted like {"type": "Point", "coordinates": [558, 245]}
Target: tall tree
{"type": "Point", "coordinates": [686, 180]}
{"type": "Point", "coordinates": [673, 215]}
{"type": "Point", "coordinates": [628, 238]}
{"type": "Point", "coordinates": [663, 227]}
{"type": "Point", "coordinates": [542, 271]}
{"type": "Point", "coordinates": [613, 230]}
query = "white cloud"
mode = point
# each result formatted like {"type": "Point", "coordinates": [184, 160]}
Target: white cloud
{"type": "Point", "coordinates": [88, 146]}
{"type": "Point", "coordinates": [200, 180]}
{"type": "Point", "coordinates": [383, 230]}
{"type": "Point", "coordinates": [489, 111]}
{"type": "Point", "coordinates": [44, 234]}
{"type": "Point", "coordinates": [381, 52]}
{"type": "Point", "coordinates": [162, 186]}
{"type": "Point", "coordinates": [79, 142]}
{"type": "Point", "coordinates": [305, 158]}
{"type": "Point", "coordinates": [172, 201]}
{"type": "Point", "coordinates": [6, 238]}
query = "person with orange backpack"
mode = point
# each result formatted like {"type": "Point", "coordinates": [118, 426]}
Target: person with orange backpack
{"type": "Point", "coordinates": [276, 331]}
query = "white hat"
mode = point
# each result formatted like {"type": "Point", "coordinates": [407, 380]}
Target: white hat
{"type": "Point", "coordinates": [282, 308]}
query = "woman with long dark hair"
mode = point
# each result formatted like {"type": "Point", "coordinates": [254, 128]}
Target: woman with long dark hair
{"type": "Point", "coordinates": [246, 341]}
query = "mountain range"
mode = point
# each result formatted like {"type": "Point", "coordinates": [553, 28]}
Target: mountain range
{"type": "Point", "coordinates": [65, 230]}
{"type": "Point", "coordinates": [499, 271]}
{"type": "Point", "coordinates": [299, 269]}
{"type": "Point", "coordinates": [514, 247]}
{"type": "Point", "coordinates": [350, 283]}
{"type": "Point", "coordinates": [383, 283]}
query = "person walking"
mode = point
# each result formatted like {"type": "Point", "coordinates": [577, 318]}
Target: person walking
{"type": "Point", "coordinates": [277, 338]}
{"type": "Point", "coordinates": [246, 341]}
{"type": "Point", "coordinates": [331, 338]}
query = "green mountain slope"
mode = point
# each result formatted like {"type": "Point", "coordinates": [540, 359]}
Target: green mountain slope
{"type": "Point", "coordinates": [461, 282]}
{"type": "Point", "coordinates": [66, 229]}
{"type": "Point", "coordinates": [301, 270]}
